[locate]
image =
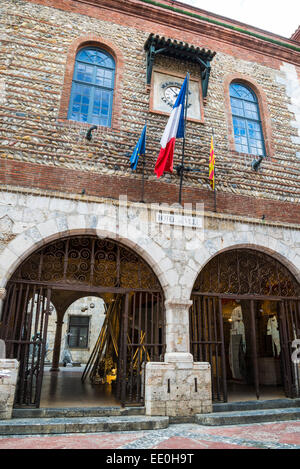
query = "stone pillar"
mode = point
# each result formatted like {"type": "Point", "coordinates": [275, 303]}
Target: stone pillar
{"type": "Point", "coordinates": [8, 380]}
{"type": "Point", "coordinates": [2, 293]}
{"type": "Point", "coordinates": [2, 297]}
{"type": "Point", "coordinates": [57, 345]}
{"type": "Point", "coordinates": [178, 387]}
{"type": "Point", "coordinates": [177, 328]}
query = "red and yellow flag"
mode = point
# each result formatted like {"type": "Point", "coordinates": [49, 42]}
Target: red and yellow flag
{"type": "Point", "coordinates": [212, 165]}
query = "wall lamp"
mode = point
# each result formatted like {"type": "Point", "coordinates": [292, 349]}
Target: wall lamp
{"type": "Point", "coordinates": [256, 163]}
{"type": "Point", "coordinates": [89, 132]}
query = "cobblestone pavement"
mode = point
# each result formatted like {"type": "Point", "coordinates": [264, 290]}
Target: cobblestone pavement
{"type": "Point", "coordinates": [283, 435]}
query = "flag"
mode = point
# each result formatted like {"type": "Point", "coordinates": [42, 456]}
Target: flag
{"type": "Point", "coordinates": [212, 165]}
{"type": "Point", "coordinates": [140, 149]}
{"type": "Point", "coordinates": [175, 129]}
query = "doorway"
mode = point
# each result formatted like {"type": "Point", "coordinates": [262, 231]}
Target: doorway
{"type": "Point", "coordinates": [56, 276]}
{"type": "Point", "coordinates": [254, 365]}
{"type": "Point", "coordinates": [244, 318]}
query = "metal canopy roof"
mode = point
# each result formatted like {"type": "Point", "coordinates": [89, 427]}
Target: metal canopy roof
{"type": "Point", "coordinates": [156, 44]}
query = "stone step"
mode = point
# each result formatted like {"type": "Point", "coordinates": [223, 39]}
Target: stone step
{"type": "Point", "coordinates": [255, 405]}
{"type": "Point", "coordinates": [42, 426]}
{"type": "Point", "coordinates": [248, 416]}
{"type": "Point", "coordinates": [69, 412]}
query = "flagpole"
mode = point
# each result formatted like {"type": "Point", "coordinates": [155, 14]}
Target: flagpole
{"type": "Point", "coordinates": [215, 193]}
{"type": "Point", "coordinates": [183, 143]}
{"type": "Point", "coordinates": [143, 171]}
{"type": "Point", "coordinates": [143, 178]}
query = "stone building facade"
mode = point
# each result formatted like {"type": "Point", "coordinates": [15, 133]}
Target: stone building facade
{"type": "Point", "coordinates": [83, 338]}
{"type": "Point", "coordinates": [55, 183]}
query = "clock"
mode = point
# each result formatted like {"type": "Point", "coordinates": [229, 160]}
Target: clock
{"type": "Point", "coordinates": [165, 91]}
{"type": "Point", "coordinates": [170, 93]}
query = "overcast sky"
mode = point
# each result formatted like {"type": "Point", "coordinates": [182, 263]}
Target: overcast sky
{"type": "Point", "coordinates": [277, 16]}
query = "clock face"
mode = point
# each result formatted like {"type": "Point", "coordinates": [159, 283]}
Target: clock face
{"type": "Point", "coordinates": [165, 92]}
{"type": "Point", "coordinates": [171, 93]}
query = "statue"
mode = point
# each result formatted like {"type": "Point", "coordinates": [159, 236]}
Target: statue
{"type": "Point", "coordinates": [273, 331]}
{"type": "Point", "coordinates": [66, 354]}
{"type": "Point", "coordinates": [237, 345]}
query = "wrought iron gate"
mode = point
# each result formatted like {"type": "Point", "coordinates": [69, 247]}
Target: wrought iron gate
{"type": "Point", "coordinates": [207, 340]}
{"type": "Point", "coordinates": [142, 340]}
{"type": "Point", "coordinates": [132, 335]}
{"type": "Point", "coordinates": [249, 277]}
{"type": "Point", "coordinates": [84, 264]}
{"type": "Point", "coordinates": [289, 331]}
{"type": "Point", "coordinates": [24, 330]}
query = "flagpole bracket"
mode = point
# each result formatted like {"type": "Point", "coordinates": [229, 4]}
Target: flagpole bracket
{"type": "Point", "coordinates": [255, 165]}
{"type": "Point", "coordinates": [181, 168]}
{"type": "Point", "coordinates": [89, 133]}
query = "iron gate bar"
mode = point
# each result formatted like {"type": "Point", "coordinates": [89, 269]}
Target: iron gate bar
{"type": "Point", "coordinates": [205, 327]}
{"type": "Point", "coordinates": [224, 376]}
{"type": "Point", "coordinates": [23, 382]}
{"type": "Point", "coordinates": [292, 335]}
{"type": "Point", "coordinates": [23, 316]}
{"type": "Point", "coordinates": [209, 330]}
{"type": "Point", "coordinates": [34, 345]}
{"type": "Point", "coordinates": [139, 355]}
{"type": "Point", "coordinates": [285, 348]}
{"type": "Point", "coordinates": [216, 349]}
{"type": "Point", "coordinates": [124, 351]}
{"type": "Point", "coordinates": [132, 345]}
{"type": "Point", "coordinates": [42, 350]}
{"type": "Point", "coordinates": [17, 310]}
{"type": "Point", "coordinates": [297, 317]}
{"type": "Point", "coordinates": [254, 348]}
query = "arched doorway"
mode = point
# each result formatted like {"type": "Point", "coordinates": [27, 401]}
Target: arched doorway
{"type": "Point", "coordinates": [244, 318]}
{"type": "Point", "coordinates": [63, 271]}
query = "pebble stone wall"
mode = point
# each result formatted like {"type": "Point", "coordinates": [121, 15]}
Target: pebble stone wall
{"type": "Point", "coordinates": [35, 43]}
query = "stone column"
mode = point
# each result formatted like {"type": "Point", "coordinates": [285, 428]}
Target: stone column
{"type": "Point", "coordinates": [2, 297]}
{"type": "Point", "coordinates": [57, 345]}
{"type": "Point", "coordinates": [178, 387]}
{"type": "Point", "coordinates": [177, 330]}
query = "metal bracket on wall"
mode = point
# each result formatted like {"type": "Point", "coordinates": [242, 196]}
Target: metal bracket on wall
{"type": "Point", "coordinates": [156, 45]}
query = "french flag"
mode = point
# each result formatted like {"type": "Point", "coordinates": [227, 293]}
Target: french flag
{"type": "Point", "coordinates": [174, 129]}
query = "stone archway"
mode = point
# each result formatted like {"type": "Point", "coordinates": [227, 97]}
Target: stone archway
{"type": "Point", "coordinates": [261, 290]}
{"type": "Point", "coordinates": [69, 267]}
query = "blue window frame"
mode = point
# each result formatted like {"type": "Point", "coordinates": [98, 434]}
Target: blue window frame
{"type": "Point", "coordinates": [246, 120]}
{"type": "Point", "coordinates": [93, 87]}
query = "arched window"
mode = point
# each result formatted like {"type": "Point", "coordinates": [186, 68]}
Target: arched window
{"type": "Point", "coordinates": [92, 87]}
{"type": "Point", "coordinates": [246, 120]}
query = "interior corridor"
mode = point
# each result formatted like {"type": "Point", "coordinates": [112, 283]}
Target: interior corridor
{"type": "Point", "coordinates": [65, 389]}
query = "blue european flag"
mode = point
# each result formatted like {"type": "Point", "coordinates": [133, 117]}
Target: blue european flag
{"type": "Point", "coordinates": [140, 149]}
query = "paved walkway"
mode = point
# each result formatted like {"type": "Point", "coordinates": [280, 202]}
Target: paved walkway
{"type": "Point", "coordinates": [283, 435]}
